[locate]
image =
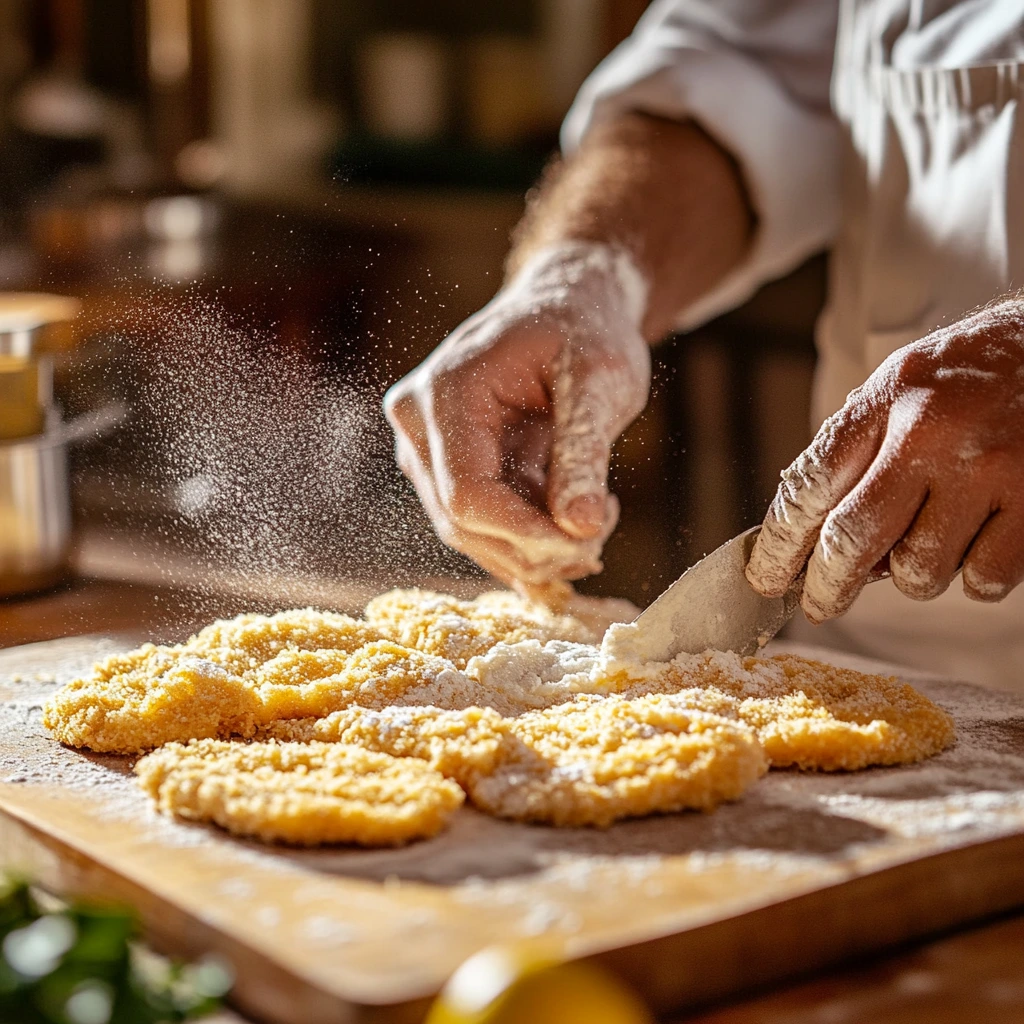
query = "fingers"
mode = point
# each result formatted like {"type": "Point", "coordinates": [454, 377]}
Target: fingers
{"type": "Point", "coordinates": [466, 442]}
{"type": "Point", "coordinates": [487, 508]}
{"type": "Point", "coordinates": [578, 478]}
{"type": "Point", "coordinates": [504, 559]}
{"type": "Point", "coordinates": [949, 454]}
{"type": "Point", "coordinates": [925, 521]}
{"type": "Point", "coordinates": [811, 488]}
{"type": "Point", "coordinates": [453, 457]}
{"type": "Point", "coordinates": [593, 404]}
{"type": "Point", "coordinates": [507, 438]}
{"type": "Point", "coordinates": [861, 529]}
{"type": "Point", "coordinates": [925, 560]}
{"type": "Point", "coordinates": [995, 563]}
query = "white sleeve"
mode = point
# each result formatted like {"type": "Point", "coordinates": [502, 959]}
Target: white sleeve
{"type": "Point", "coordinates": [755, 75]}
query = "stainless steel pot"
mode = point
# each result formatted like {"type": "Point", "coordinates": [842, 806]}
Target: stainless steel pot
{"type": "Point", "coordinates": [35, 514]}
{"type": "Point", "coordinates": [35, 502]}
{"type": "Point", "coordinates": [31, 329]}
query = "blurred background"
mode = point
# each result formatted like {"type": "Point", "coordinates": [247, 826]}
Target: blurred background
{"type": "Point", "coordinates": [270, 210]}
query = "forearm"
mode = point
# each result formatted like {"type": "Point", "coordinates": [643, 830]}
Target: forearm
{"type": "Point", "coordinates": [665, 192]}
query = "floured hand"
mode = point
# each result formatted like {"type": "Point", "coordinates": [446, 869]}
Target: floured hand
{"type": "Point", "coordinates": [925, 461]}
{"type": "Point", "coordinates": [506, 428]}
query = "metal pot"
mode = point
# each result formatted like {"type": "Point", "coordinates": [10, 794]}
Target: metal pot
{"type": "Point", "coordinates": [35, 503]}
{"type": "Point", "coordinates": [35, 514]}
{"type": "Point", "coordinates": [32, 327]}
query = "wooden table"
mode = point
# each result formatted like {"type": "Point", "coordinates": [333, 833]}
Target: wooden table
{"type": "Point", "coordinates": [975, 975]}
{"type": "Point", "coordinates": [972, 975]}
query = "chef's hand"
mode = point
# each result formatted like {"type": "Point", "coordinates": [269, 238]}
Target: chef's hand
{"type": "Point", "coordinates": [506, 428]}
{"type": "Point", "coordinates": [926, 461]}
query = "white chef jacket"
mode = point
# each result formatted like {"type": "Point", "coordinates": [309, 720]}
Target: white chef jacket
{"type": "Point", "coordinates": [892, 131]}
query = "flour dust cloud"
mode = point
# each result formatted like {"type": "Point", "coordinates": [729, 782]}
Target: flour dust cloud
{"type": "Point", "coordinates": [266, 460]}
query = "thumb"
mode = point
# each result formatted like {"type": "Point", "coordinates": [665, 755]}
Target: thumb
{"type": "Point", "coordinates": [577, 490]}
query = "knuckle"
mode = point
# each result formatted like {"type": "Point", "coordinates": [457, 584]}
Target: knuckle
{"type": "Point", "coordinates": [805, 482]}
{"type": "Point", "coordinates": [909, 372]}
{"type": "Point", "coordinates": [807, 492]}
{"type": "Point", "coordinates": [914, 365]}
{"type": "Point", "coordinates": [446, 530]}
{"type": "Point", "coordinates": [856, 400]}
{"type": "Point", "coordinates": [398, 402]}
{"type": "Point", "coordinates": [843, 542]}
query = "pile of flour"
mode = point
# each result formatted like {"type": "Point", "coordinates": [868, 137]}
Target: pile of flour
{"type": "Point", "coordinates": [530, 674]}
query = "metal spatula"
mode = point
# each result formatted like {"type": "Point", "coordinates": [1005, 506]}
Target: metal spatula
{"type": "Point", "coordinates": [713, 606]}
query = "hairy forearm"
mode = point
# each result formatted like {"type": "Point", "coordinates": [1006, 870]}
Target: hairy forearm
{"type": "Point", "coordinates": [664, 191]}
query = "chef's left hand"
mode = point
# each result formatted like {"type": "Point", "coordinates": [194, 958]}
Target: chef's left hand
{"type": "Point", "coordinates": [925, 461]}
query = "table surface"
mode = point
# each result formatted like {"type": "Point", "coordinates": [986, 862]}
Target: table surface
{"type": "Point", "coordinates": [950, 980]}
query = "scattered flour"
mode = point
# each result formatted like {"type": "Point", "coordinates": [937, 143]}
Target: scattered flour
{"type": "Point", "coordinates": [790, 825]}
{"type": "Point", "coordinates": [330, 931]}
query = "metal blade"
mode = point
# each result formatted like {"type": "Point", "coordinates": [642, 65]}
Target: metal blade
{"type": "Point", "coordinates": [713, 606]}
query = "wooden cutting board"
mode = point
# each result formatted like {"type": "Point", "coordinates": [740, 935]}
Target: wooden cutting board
{"type": "Point", "coordinates": [804, 871]}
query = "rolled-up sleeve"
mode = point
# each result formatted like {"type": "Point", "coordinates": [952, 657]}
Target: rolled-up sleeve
{"type": "Point", "coordinates": [755, 75]}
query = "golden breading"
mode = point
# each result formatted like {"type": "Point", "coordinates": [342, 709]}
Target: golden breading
{"type": "Point", "coordinates": [368, 729]}
{"type": "Point", "coordinates": [462, 745]}
{"type": "Point", "coordinates": [459, 630]}
{"type": "Point", "coordinates": [300, 684]}
{"type": "Point", "coordinates": [244, 644]}
{"type": "Point", "coordinates": [596, 613]}
{"type": "Point", "coordinates": [599, 759]}
{"type": "Point", "coordinates": [815, 716]}
{"type": "Point", "coordinates": [134, 702]}
{"type": "Point", "coordinates": [305, 794]}
{"type": "Point", "coordinates": [589, 762]}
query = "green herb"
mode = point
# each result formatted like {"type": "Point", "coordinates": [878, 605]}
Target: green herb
{"type": "Point", "coordinates": [80, 965]}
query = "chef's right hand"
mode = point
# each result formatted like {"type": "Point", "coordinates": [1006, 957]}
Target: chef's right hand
{"type": "Point", "coordinates": [506, 429]}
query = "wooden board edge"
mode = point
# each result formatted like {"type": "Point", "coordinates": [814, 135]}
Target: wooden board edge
{"type": "Point", "coordinates": [677, 972]}
{"type": "Point", "coordinates": [886, 908]}
{"type": "Point", "coordinates": [265, 991]}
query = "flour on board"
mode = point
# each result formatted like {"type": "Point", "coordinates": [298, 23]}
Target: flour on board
{"type": "Point", "coordinates": [514, 704]}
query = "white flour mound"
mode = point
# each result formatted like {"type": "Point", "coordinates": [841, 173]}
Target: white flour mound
{"type": "Point", "coordinates": [531, 674]}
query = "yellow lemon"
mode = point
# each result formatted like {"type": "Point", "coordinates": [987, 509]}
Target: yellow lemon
{"type": "Point", "coordinates": [509, 985]}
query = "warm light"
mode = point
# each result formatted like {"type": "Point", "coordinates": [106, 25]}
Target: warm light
{"type": "Point", "coordinates": [170, 47]}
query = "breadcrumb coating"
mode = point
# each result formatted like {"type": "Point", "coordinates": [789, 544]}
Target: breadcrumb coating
{"type": "Point", "coordinates": [596, 760]}
{"type": "Point", "coordinates": [304, 794]}
{"type": "Point", "coordinates": [462, 745]}
{"type": "Point", "coordinates": [245, 643]}
{"type": "Point", "coordinates": [202, 689]}
{"type": "Point", "coordinates": [134, 702]}
{"type": "Point", "coordinates": [459, 630]}
{"type": "Point", "coordinates": [395, 711]}
{"type": "Point", "coordinates": [815, 716]}
{"type": "Point", "coordinates": [300, 684]}
{"type": "Point", "coordinates": [589, 762]}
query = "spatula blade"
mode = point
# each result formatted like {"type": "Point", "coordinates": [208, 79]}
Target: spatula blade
{"type": "Point", "coordinates": [713, 606]}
